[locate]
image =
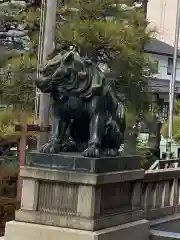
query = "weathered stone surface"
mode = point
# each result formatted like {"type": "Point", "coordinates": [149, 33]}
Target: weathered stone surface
{"type": "Point", "coordinates": [133, 230]}
{"type": "Point", "coordinates": [78, 163]}
{"type": "Point", "coordinates": [162, 235]}
{"type": "Point", "coordinates": [28, 231]}
{"type": "Point", "coordinates": [77, 222]}
{"type": "Point", "coordinates": [80, 200]}
{"type": "Point", "coordinates": [161, 174]}
{"type": "Point", "coordinates": [83, 177]}
{"type": "Point", "coordinates": [21, 231]}
{"type": "Point", "coordinates": [29, 194]}
{"type": "Point", "coordinates": [168, 223]}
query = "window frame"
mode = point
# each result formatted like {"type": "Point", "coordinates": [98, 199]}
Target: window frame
{"type": "Point", "coordinates": [170, 66]}
{"type": "Point", "coordinates": [156, 62]}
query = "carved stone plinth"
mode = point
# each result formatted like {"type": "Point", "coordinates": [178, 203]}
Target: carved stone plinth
{"type": "Point", "coordinates": [78, 200]}
{"type": "Point", "coordinates": [83, 200]}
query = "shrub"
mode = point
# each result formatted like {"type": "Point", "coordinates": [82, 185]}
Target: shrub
{"type": "Point", "coordinates": [176, 129]}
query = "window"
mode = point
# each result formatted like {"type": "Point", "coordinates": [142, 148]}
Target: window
{"type": "Point", "coordinates": [156, 66]}
{"type": "Point", "coordinates": [170, 66]}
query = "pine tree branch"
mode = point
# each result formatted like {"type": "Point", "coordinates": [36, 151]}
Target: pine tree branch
{"type": "Point", "coordinates": [4, 1]}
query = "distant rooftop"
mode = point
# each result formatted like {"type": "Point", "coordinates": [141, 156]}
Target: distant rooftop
{"type": "Point", "coordinates": [159, 47]}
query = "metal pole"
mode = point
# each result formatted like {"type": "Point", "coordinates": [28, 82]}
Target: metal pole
{"type": "Point", "coordinates": [49, 37]}
{"type": "Point", "coordinates": [172, 83]}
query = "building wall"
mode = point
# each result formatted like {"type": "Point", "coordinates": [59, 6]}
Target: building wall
{"type": "Point", "coordinates": [163, 67]}
{"type": "Point", "coordinates": [162, 15]}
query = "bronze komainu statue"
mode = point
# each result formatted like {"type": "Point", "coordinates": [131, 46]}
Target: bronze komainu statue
{"type": "Point", "coordinates": [90, 118]}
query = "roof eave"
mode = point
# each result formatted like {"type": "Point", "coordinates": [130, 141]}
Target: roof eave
{"type": "Point", "coordinates": [159, 53]}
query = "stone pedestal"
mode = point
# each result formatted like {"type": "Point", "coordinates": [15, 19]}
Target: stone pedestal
{"type": "Point", "coordinates": [83, 203]}
{"type": "Point", "coordinates": [27, 231]}
{"type": "Point", "coordinates": [77, 163]}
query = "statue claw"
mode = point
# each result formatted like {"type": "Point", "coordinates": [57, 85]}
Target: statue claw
{"type": "Point", "coordinates": [50, 148]}
{"type": "Point", "coordinates": [111, 152]}
{"type": "Point", "coordinates": [55, 147]}
{"type": "Point", "coordinates": [92, 151]}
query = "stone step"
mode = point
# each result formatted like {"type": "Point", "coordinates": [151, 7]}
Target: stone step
{"type": "Point", "coordinates": [162, 235]}
{"type": "Point", "coordinates": [138, 230]}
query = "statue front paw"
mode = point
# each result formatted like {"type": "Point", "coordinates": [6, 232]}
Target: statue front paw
{"type": "Point", "coordinates": [111, 152]}
{"type": "Point", "coordinates": [50, 147]}
{"type": "Point", "coordinates": [92, 151]}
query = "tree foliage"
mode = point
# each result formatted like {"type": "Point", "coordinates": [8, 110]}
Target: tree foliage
{"type": "Point", "coordinates": [114, 34]}
{"type": "Point", "coordinates": [17, 87]}
{"type": "Point", "coordinates": [19, 60]}
{"type": "Point", "coordinates": [110, 32]}
{"type": "Point", "coordinates": [176, 124]}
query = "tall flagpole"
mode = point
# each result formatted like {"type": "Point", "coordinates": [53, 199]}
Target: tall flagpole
{"type": "Point", "coordinates": [49, 41]}
{"type": "Point", "coordinates": [173, 80]}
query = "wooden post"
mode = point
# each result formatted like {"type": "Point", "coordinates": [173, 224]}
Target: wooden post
{"type": "Point", "coordinates": [22, 150]}
{"type": "Point", "coordinates": [24, 128]}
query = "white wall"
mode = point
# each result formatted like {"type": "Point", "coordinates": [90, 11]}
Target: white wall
{"type": "Point", "coordinates": [162, 15]}
{"type": "Point", "coordinates": [162, 67]}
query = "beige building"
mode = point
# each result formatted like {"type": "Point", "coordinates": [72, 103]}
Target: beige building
{"type": "Point", "coordinates": [162, 15]}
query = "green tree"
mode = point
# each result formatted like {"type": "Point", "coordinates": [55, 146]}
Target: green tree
{"type": "Point", "coordinates": [112, 33]}
{"type": "Point", "coordinates": [176, 124]}
{"type": "Point", "coordinates": [18, 62]}
{"type": "Point", "coordinates": [17, 65]}
{"type": "Point", "coordinates": [108, 32]}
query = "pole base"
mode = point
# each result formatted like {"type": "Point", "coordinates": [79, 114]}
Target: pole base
{"type": "Point", "coordinates": [169, 154]}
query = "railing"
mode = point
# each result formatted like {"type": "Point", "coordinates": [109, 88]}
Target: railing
{"type": "Point", "coordinates": [155, 165]}
{"type": "Point", "coordinates": [164, 164]}
{"type": "Point", "coordinates": [160, 193]}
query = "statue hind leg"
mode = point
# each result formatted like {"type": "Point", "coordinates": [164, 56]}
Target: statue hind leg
{"type": "Point", "coordinates": [112, 140]}
{"type": "Point", "coordinates": [97, 117]}
{"type": "Point", "coordinates": [121, 118]}
{"type": "Point", "coordinates": [115, 130]}
{"type": "Point", "coordinates": [97, 129]}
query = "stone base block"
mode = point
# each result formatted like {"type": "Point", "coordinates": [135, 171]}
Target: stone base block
{"type": "Point", "coordinates": [77, 163]}
{"type": "Point", "coordinates": [77, 222]}
{"type": "Point", "coordinates": [26, 231]}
